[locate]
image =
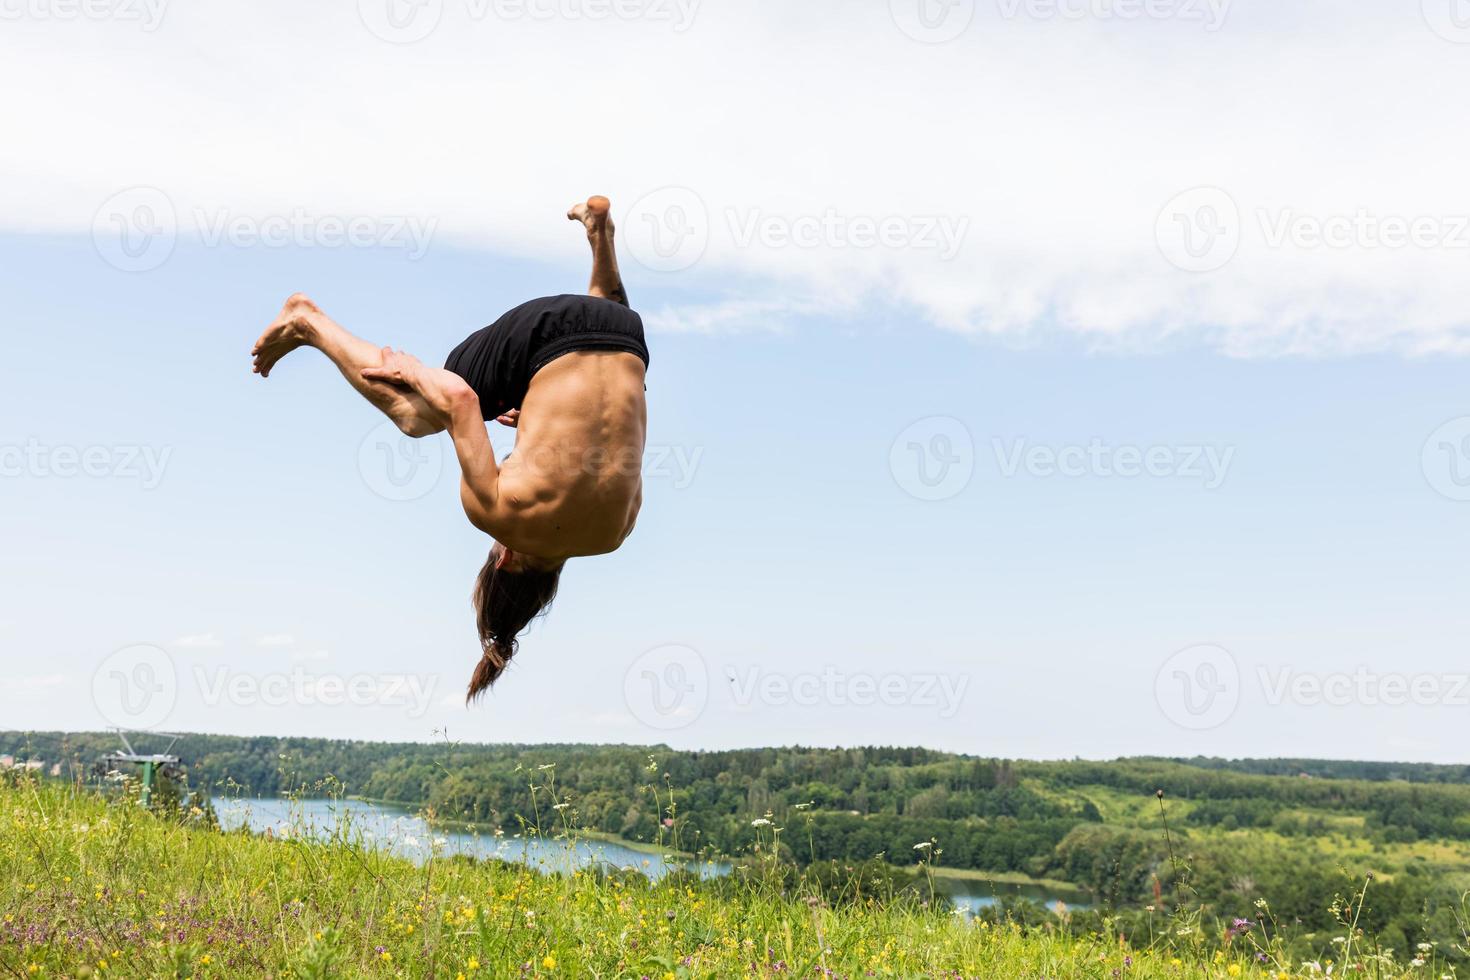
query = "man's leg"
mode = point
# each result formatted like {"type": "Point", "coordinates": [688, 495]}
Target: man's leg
{"type": "Point", "coordinates": [606, 280]}
{"type": "Point", "coordinates": [303, 324]}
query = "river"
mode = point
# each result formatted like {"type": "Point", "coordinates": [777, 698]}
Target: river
{"type": "Point", "coordinates": [403, 832]}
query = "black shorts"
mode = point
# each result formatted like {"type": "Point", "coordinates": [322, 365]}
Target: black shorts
{"type": "Point", "coordinates": [499, 361]}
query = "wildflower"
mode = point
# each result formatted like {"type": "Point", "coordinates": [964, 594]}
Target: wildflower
{"type": "Point", "coordinates": [548, 962]}
{"type": "Point", "coordinates": [923, 845]}
{"type": "Point", "coordinates": [760, 822]}
{"type": "Point", "coordinates": [1233, 969]}
{"type": "Point", "coordinates": [473, 964]}
{"type": "Point", "coordinates": [206, 959]}
{"type": "Point", "coordinates": [385, 956]}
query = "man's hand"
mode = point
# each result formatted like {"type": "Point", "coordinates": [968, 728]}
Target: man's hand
{"type": "Point", "coordinates": [510, 418]}
{"type": "Point", "coordinates": [398, 368]}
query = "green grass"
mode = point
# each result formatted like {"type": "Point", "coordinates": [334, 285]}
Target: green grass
{"type": "Point", "coordinates": [96, 886]}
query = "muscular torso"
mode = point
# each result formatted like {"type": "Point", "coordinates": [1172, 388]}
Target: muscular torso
{"type": "Point", "coordinates": [574, 482]}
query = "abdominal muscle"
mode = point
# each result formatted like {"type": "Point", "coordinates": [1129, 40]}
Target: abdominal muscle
{"type": "Point", "coordinates": [573, 484]}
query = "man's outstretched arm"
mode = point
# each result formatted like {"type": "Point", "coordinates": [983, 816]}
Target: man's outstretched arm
{"type": "Point", "coordinates": [455, 404]}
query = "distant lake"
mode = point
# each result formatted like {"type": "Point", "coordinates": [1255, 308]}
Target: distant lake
{"type": "Point", "coordinates": [401, 831]}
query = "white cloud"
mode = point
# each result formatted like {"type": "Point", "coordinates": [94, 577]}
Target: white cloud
{"type": "Point", "coordinates": [276, 640]}
{"type": "Point", "coordinates": [1058, 139]}
{"type": "Point", "coordinates": [199, 641]}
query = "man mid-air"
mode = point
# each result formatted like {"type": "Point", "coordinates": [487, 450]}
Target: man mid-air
{"type": "Point", "coordinates": [567, 372]}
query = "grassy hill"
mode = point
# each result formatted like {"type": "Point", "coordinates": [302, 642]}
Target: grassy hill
{"type": "Point", "coordinates": [98, 886]}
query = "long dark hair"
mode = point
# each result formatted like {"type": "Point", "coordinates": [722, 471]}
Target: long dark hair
{"type": "Point", "coordinates": [505, 603]}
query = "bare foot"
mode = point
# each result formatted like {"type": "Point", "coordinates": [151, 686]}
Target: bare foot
{"type": "Point", "coordinates": [292, 329]}
{"type": "Point", "coordinates": [594, 215]}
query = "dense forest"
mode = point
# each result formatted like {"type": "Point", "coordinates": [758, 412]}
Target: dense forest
{"type": "Point", "coordinates": [1130, 831]}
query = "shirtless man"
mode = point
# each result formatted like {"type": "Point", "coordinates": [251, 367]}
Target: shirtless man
{"type": "Point", "coordinates": [567, 373]}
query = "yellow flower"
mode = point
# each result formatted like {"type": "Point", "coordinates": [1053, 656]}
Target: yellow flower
{"type": "Point", "coordinates": [549, 962]}
{"type": "Point", "coordinates": [385, 956]}
{"type": "Point", "coordinates": [33, 969]}
{"type": "Point", "coordinates": [473, 964]}
{"type": "Point", "coordinates": [206, 959]}
{"type": "Point", "coordinates": [1233, 969]}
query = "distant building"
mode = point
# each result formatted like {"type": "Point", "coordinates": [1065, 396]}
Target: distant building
{"type": "Point", "coordinates": [56, 769]}
{"type": "Point", "coordinates": [6, 761]}
{"type": "Point", "coordinates": [33, 765]}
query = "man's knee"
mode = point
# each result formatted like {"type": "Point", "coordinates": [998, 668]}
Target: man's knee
{"type": "Point", "coordinates": [413, 425]}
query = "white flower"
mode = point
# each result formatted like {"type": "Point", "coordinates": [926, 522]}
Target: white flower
{"type": "Point", "coordinates": [760, 822]}
{"type": "Point", "coordinates": [923, 845]}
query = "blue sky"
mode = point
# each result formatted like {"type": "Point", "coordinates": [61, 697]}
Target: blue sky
{"type": "Point", "coordinates": [1289, 580]}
